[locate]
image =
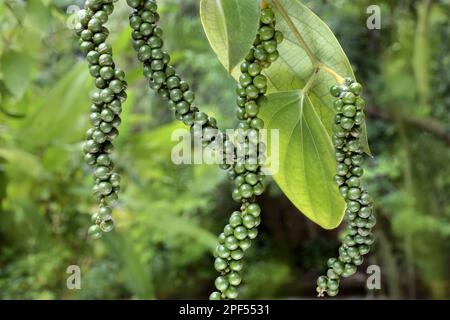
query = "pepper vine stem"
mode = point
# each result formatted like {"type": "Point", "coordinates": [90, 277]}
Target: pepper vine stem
{"type": "Point", "coordinates": [337, 77]}
{"type": "Point", "coordinates": [314, 60]}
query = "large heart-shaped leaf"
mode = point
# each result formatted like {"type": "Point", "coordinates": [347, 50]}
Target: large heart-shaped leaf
{"type": "Point", "coordinates": [230, 26]}
{"type": "Point", "coordinates": [294, 68]}
{"type": "Point", "coordinates": [304, 118]}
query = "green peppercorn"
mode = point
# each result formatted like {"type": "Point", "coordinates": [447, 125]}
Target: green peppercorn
{"type": "Point", "coordinates": [251, 108]}
{"type": "Point", "coordinates": [215, 296]}
{"type": "Point", "coordinates": [235, 219]}
{"type": "Point", "coordinates": [95, 232]}
{"type": "Point", "coordinates": [349, 98]}
{"type": "Point", "coordinates": [279, 37]}
{"type": "Point", "coordinates": [365, 212]}
{"type": "Point", "coordinates": [360, 103]}
{"type": "Point", "coordinates": [254, 209]}
{"type": "Point", "coordinates": [236, 195]}
{"type": "Point", "coordinates": [249, 221]}
{"type": "Point", "coordinates": [354, 193]}
{"type": "Point", "coordinates": [188, 95]}
{"type": "Point", "coordinates": [99, 37]}
{"type": "Point", "coordinates": [272, 57]}
{"type": "Point", "coordinates": [357, 171]}
{"type": "Point", "coordinates": [246, 190]}
{"type": "Point", "coordinates": [353, 206]}
{"type": "Point", "coordinates": [240, 233]}
{"type": "Point", "coordinates": [353, 252]}
{"type": "Point", "coordinates": [270, 46]}
{"type": "Point", "coordinates": [252, 93]}
{"type": "Point", "coordinates": [252, 178]}
{"type": "Point", "coordinates": [237, 254]}
{"type": "Point", "coordinates": [245, 79]}
{"type": "Point", "coordinates": [356, 88]}
{"type": "Point", "coordinates": [257, 123]}
{"type": "Point", "coordinates": [338, 131]}
{"type": "Point", "coordinates": [231, 293]}
{"type": "Point", "coordinates": [253, 233]}
{"type": "Point", "coordinates": [107, 225]}
{"type": "Point", "coordinates": [221, 283]}
{"type": "Point", "coordinates": [322, 282]}
{"type": "Point", "coordinates": [236, 265]}
{"type": "Point", "coordinates": [245, 244]}
{"type": "Point", "coordinates": [260, 54]}
{"type": "Point", "coordinates": [267, 16]}
{"type": "Point", "coordinates": [347, 123]}
{"type": "Point", "coordinates": [332, 275]}
{"type": "Point", "coordinates": [259, 188]}
{"type": "Point", "coordinates": [234, 278]}
{"type": "Point", "coordinates": [231, 243]}
{"type": "Point", "coordinates": [266, 33]}
{"type": "Point", "coordinates": [220, 264]}
{"type": "Point", "coordinates": [336, 90]}
{"type": "Point", "coordinates": [260, 81]}
{"type": "Point", "coordinates": [359, 118]}
{"type": "Point", "coordinates": [176, 95]}
{"type": "Point", "coordinates": [104, 188]}
{"type": "Point", "coordinates": [349, 110]}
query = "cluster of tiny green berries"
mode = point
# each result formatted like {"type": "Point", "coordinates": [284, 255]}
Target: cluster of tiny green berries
{"type": "Point", "coordinates": [162, 76]}
{"type": "Point", "coordinates": [106, 107]}
{"type": "Point", "coordinates": [349, 108]}
{"type": "Point", "coordinates": [248, 179]}
{"type": "Point", "coordinates": [235, 239]}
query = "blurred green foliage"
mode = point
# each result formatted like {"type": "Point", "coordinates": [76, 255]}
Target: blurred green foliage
{"type": "Point", "coordinates": [169, 215]}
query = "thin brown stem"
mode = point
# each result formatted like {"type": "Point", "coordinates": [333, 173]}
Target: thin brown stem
{"type": "Point", "coordinates": [263, 4]}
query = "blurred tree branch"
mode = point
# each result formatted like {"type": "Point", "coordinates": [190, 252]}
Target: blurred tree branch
{"type": "Point", "coordinates": [432, 126]}
{"type": "Point", "coordinates": [10, 114]}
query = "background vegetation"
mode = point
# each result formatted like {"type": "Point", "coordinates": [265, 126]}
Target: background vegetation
{"type": "Point", "coordinates": [169, 215]}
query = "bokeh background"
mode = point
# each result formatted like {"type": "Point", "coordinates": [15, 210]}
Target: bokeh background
{"type": "Point", "coordinates": [169, 215]}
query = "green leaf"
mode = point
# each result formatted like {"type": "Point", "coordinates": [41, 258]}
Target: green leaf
{"type": "Point", "coordinates": [306, 156]}
{"type": "Point", "coordinates": [231, 27]}
{"type": "Point", "coordinates": [16, 69]}
{"type": "Point", "coordinates": [22, 162]}
{"type": "Point", "coordinates": [65, 118]}
{"type": "Point", "coordinates": [38, 16]}
{"type": "Point", "coordinates": [294, 68]}
{"type": "Point", "coordinates": [307, 162]}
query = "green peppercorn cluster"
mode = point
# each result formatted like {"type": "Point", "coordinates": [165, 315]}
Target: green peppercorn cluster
{"type": "Point", "coordinates": [148, 43]}
{"type": "Point", "coordinates": [106, 107]}
{"type": "Point", "coordinates": [246, 171]}
{"type": "Point", "coordinates": [251, 90]}
{"type": "Point", "coordinates": [349, 118]}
